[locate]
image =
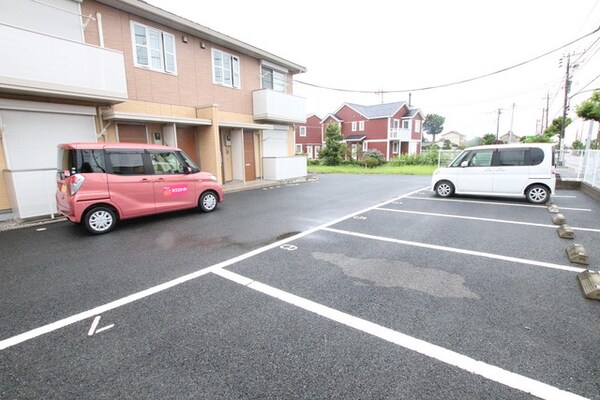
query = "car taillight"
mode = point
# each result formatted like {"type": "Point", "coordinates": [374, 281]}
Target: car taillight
{"type": "Point", "coordinates": [75, 183]}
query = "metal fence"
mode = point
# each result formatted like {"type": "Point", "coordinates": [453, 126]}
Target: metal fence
{"type": "Point", "coordinates": [571, 165]}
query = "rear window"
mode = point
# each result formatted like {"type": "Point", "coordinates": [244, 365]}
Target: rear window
{"type": "Point", "coordinates": [537, 156]}
{"type": "Point", "coordinates": [78, 161]}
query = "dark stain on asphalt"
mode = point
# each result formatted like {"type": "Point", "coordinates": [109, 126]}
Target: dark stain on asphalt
{"type": "Point", "coordinates": [393, 273]}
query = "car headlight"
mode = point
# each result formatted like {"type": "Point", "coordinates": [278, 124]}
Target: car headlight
{"type": "Point", "coordinates": [214, 178]}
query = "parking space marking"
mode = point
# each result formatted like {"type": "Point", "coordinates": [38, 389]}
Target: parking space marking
{"type": "Point", "coordinates": [51, 327]}
{"type": "Point", "coordinates": [459, 251]}
{"type": "Point", "coordinates": [488, 371]}
{"type": "Point", "coordinates": [503, 221]}
{"type": "Point", "coordinates": [495, 203]}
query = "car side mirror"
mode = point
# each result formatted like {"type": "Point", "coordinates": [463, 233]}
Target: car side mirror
{"type": "Point", "coordinates": [464, 164]}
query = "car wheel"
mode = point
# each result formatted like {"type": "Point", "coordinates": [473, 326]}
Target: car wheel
{"type": "Point", "coordinates": [208, 201]}
{"type": "Point", "coordinates": [100, 220]}
{"type": "Point", "coordinates": [537, 194]}
{"type": "Point", "coordinates": [444, 189]}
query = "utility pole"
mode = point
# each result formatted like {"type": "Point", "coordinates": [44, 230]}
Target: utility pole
{"type": "Point", "coordinates": [498, 123]}
{"type": "Point", "coordinates": [512, 117]}
{"type": "Point", "coordinates": [561, 140]}
{"type": "Point", "coordinates": [547, 107]}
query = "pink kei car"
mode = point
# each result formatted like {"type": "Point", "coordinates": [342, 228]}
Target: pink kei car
{"type": "Point", "coordinates": [101, 183]}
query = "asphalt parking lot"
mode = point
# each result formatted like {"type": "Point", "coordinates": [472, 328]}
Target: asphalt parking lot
{"type": "Point", "coordinates": [412, 297]}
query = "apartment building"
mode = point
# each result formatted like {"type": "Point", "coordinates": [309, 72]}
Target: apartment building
{"type": "Point", "coordinates": [126, 71]}
{"type": "Point", "coordinates": [310, 137]}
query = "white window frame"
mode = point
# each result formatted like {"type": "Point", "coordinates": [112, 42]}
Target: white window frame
{"type": "Point", "coordinates": [165, 57]}
{"type": "Point", "coordinates": [395, 147]}
{"type": "Point", "coordinates": [298, 149]}
{"type": "Point", "coordinates": [417, 126]}
{"type": "Point", "coordinates": [309, 151]}
{"type": "Point", "coordinates": [278, 78]}
{"type": "Point", "coordinates": [396, 124]}
{"type": "Point", "coordinates": [365, 146]}
{"type": "Point", "coordinates": [302, 131]}
{"type": "Point", "coordinates": [361, 125]}
{"type": "Point", "coordinates": [354, 126]}
{"type": "Point", "coordinates": [406, 124]}
{"type": "Point", "coordinates": [229, 74]}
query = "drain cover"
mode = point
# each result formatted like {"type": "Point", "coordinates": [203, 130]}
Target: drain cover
{"type": "Point", "coordinates": [590, 284]}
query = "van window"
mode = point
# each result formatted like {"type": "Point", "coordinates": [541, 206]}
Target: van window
{"type": "Point", "coordinates": [460, 158]}
{"type": "Point", "coordinates": [126, 163]}
{"type": "Point", "coordinates": [481, 158]}
{"type": "Point", "coordinates": [91, 161]}
{"type": "Point", "coordinates": [511, 157]}
{"type": "Point", "coordinates": [166, 163]}
{"type": "Point", "coordinates": [537, 156]}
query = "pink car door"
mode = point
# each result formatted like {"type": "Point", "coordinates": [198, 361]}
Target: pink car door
{"type": "Point", "coordinates": [174, 189]}
{"type": "Point", "coordinates": [131, 189]}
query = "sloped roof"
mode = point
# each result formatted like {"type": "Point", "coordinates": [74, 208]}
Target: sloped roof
{"type": "Point", "coordinates": [355, 138]}
{"type": "Point", "coordinates": [378, 110]}
{"type": "Point", "coordinates": [332, 116]}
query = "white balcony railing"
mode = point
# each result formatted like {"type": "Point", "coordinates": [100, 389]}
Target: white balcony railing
{"type": "Point", "coordinates": [269, 105]}
{"type": "Point", "coordinates": [35, 63]}
{"type": "Point", "coordinates": [400, 134]}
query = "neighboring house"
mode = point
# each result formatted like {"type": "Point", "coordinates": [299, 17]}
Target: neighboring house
{"type": "Point", "coordinates": [392, 128]}
{"type": "Point", "coordinates": [309, 137]}
{"type": "Point", "coordinates": [456, 139]}
{"type": "Point", "coordinates": [509, 138]}
{"type": "Point", "coordinates": [126, 71]}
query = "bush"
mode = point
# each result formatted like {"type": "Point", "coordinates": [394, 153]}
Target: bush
{"type": "Point", "coordinates": [429, 157]}
{"type": "Point", "coordinates": [314, 162]}
{"type": "Point", "coordinates": [373, 158]}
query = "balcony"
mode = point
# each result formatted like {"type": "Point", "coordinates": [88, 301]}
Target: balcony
{"type": "Point", "coordinates": [401, 134]}
{"type": "Point", "coordinates": [269, 105]}
{"type": "Point", "coordinates": [38, 64]}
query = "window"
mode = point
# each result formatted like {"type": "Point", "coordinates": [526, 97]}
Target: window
{"type": "Point", "coordinates": [153, 48]}
{"type": "Point", "coordinates": [481, 158]}
{"type": "Point", "coordinates": [405, 124]}
{"type": "Point", "coordinates": [298, 149]}
{"type": "Point", "coordinates": [511, 157]}
{"type": "Point", "coordinates": [273, 79]}
{"type": "Point", "coordinates": [353, 126]}
{"type": "Point", "coordinates": [127, 163]}
{"type": "Point", "coordinates": [361, 125]}
{"type": "Point", "coordinates": [394, 147]}
{"type": "Point", "coordinates": [226, 69]}
{"type": "Point", "coordinates": [166, 163]}
{"type": "Point", "coordinates": [417, 126]}
{"type": "Point", "coordinates": [303, 131]}
{"type": "Point", "coordinates": [396, 124]}
{"type": "Point", "coordinates": [365, 146]}
{"type": "Point", "coordinates": [317, 151]}
{"type": "Point", "coordinates": [92, 161]}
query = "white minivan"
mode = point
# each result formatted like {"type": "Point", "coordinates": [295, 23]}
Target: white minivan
{"type": "Point", "coordinates": [510, 170]}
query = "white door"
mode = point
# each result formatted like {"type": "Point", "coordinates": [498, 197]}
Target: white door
{"type": "Point", "coordinates": [309, 151]}
{"type": "Point", "coordinates": [511, 174]}
{"type": "Point", "coordinates": [30, 146]}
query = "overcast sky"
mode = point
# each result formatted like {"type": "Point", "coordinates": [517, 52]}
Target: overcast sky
{"type": "Point", "coordinates": [401, 45]}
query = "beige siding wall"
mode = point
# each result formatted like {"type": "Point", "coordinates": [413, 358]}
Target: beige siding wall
{"type": "Point", "coordinates": [4, 199]}
{"type": "Point", "coordinates": [192, 85]}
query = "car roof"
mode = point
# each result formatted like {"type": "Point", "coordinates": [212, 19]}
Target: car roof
{"type": "Point", "coordinates": [107, 145]}
{"type": "Point", "coordinates": [512, 146]}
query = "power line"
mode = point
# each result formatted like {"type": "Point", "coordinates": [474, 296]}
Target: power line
{"type": "Point", "coordinates": [447, 84]}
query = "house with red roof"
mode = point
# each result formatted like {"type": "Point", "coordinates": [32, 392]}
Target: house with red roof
{"type": "Point", "coordinates": [309, 137]}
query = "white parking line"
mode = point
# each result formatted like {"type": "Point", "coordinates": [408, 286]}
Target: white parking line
{"type": "Point", "coordinates": [494, 203]}
{"type": "Point", "coordinates": [488, 371]}
{"type": "Point", "coordinates": [459, 251]}
{"type": "Point", "coordinates": [12, 341]}
{"type": "Point", "coordinates": [503, 221]}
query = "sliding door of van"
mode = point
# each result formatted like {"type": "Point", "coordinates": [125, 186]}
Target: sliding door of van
{"type": "Point", "coordinates": [511, 171]}
{"type": "Point", "coordinates": [131, 189]}
{"type": "Point", "coordinates": [477, 175]}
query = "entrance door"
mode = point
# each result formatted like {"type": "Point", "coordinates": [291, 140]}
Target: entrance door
{"type": "Point", "coordinates": [186, 141]}
{"type": "Point", "coordinates": [250, 169]}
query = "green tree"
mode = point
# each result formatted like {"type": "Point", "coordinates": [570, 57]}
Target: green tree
{"type": "Point", "coordinates": [577, 145]}
{"type": "Point", "coordinates": [590, 111]}
{"type": "Point", "coordinates": [549, 133]}
{"type": "Point", "coordinates": [434, 124]}
{"type": "Point", "coordinates": [490, 138]}
{"type": "Point", "coordinates": [447, 145]}
{"type": "Point", "coordinates": [332, 153]}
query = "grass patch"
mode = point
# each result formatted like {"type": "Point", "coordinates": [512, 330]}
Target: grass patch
{"type": "Point", "coordinates": [384, 169]}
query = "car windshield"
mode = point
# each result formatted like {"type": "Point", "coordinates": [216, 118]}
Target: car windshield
{"type": "Point", "coordinates": [456, 162]}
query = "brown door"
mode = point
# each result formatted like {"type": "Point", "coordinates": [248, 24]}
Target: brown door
{"type": "Point", "coordinates": [129, 133]}
{"type": "Point", "coordinates": [186, 141]}
{"type": "Point", "coordinates": [250, 170]}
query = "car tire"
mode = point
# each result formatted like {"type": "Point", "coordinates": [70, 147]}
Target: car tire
{"type": "Point", "coordinates": [99, 220]}
{"type": "Point", "coordinates": [537, 194]}
{"type": "Point", "coordinates": [444, 189]}
{"type": "Point", "coordinates": [208, 201]}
